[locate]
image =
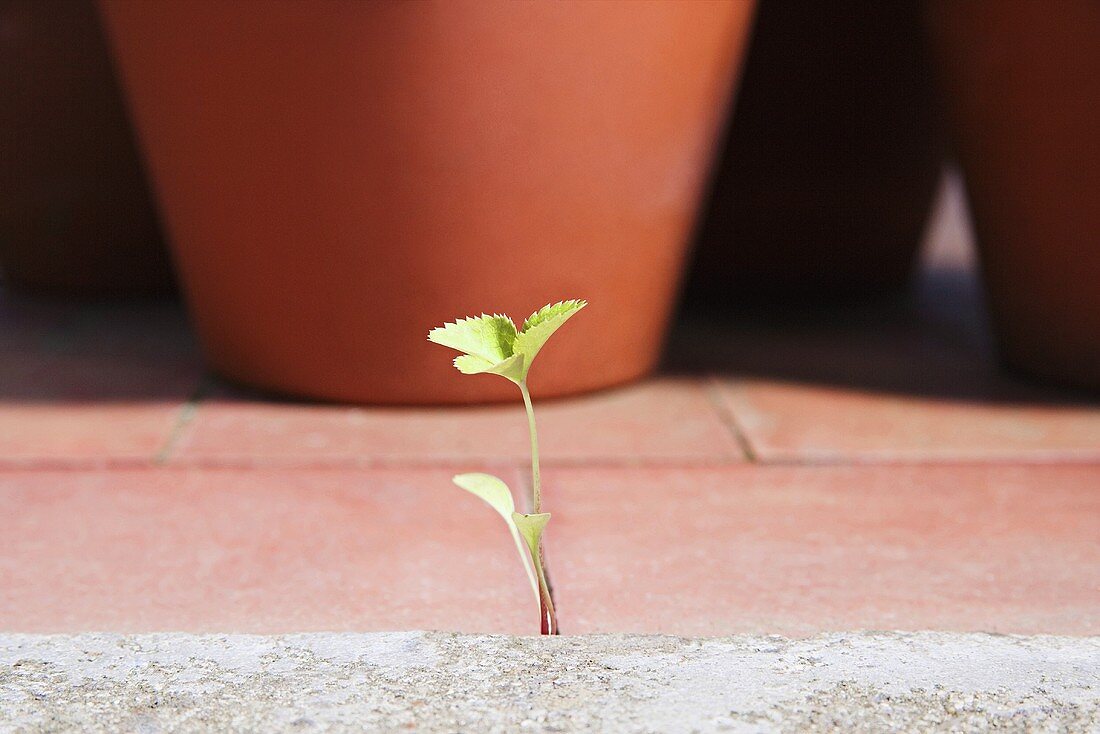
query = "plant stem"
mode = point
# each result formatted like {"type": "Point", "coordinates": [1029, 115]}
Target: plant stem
{"type": "Point", "coordinates": [548, 621]}
{"type": "Point", "coordinates": [536, 484]}
{"type": "Point", "coordinates": [548, 617]}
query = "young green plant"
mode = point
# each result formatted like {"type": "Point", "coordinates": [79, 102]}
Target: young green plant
{"type": "Point", "coordinates": [493, 345]}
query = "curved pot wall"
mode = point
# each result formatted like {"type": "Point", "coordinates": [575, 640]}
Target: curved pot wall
{"type": "Point", "coordinates": [1023, 80]}
{"type": "Point", "coordinates": [338, 178]}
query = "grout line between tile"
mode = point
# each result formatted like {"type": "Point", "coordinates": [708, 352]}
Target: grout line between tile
{"type": "Point", "coordinates": [726, 415]}
{"type": "Point", "coordinates": [186, 415]}
{"type": "Point", "coordinates": [483, 464]}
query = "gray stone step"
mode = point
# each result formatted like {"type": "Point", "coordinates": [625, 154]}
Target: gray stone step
{"type": "Point", "coordinates": [442, 682]}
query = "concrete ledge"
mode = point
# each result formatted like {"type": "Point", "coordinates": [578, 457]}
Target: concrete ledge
{"type": "Point", "coordinates": [446, 682]}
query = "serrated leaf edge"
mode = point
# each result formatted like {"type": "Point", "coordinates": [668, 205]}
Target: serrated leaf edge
{"type": "Point", "coordinates": [466, 327]}
{"type": "Point", "coordinates": [576, 304]}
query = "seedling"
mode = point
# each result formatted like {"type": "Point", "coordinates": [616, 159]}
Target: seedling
{"type": "Point", "coordinates": [491, 344]}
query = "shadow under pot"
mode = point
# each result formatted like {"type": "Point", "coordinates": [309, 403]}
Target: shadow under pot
{"type": "Point", "coordinates": [340, 178]}
{"type": "Point", "coordinates": [76, 217]}
{"type": "Point", "coordinates": [1023, 87]}
{"type": "Point", "coordinates": [831, 162]}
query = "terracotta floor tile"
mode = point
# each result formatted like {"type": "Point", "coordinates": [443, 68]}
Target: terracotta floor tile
{"type": "Point", "coordinates": [91, 384]}
{"type": "Point", "coordinates": [789, 421]}
{"type": "Point", "coordinates": [669, 420]}
{"type": "Point", "coordinates": [85, 434]}
{"type": "Point", "coordinates": [797, 550]}
{"type": "Point", "coordinates": [254, 551]}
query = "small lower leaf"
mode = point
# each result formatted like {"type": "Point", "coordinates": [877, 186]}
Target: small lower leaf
{"type": "Point", "coordinates": [531, 527]}
{"type": "Point", "coordinates": [497, 495]}
{"type": "Point", "coordinates": [491, 489]}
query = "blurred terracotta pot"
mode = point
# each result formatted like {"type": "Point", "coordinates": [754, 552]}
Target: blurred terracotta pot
{"type": "Point", "coordinates": [75, 215]}
{"type": "Point", "coordinates": [832, 158]}
{"type": "Point", "coordinates": [338, 178]}
{"type": "Point", "coordinates": [1023, 78]}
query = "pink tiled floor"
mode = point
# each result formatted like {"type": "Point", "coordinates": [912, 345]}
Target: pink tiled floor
{"type": "Point", "coordinates": [787, 472]}
{"type": "Point", "coordinates": [795, 550]}
{"type": "Point", "coordinates": [253, 551]}
{"type": "Point", "coordinates": [680, 550]}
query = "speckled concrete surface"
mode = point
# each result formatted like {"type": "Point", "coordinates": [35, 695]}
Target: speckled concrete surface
{"type": "Point", "coordinates": [441, 682]}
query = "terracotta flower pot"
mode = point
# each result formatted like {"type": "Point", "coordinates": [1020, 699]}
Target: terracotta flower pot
{"type": "Point", "coordinates": [340, 177]}
{"type": "Point", "coordinates": [1023, 79]}
{"type": "Point", "coordinates": [832, 158]}
{"type": "Point", "coordinates": [75, 214]}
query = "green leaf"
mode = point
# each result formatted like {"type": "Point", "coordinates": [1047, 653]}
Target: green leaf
{"type": "Point", "coordinates": [491, 489]}
{"type": "Point", "coordinates": [488, 337]}
{"type": "Point", "coordinates": [531, 527]}
{"type": "Point", "coordinates": [540, 326]}
{"type": "Point", "coordinates": [496, 493]}
{"type": "Point", "coordinates": [512, 368]}
{"type": "Point", "coordinates": [553, 311]}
